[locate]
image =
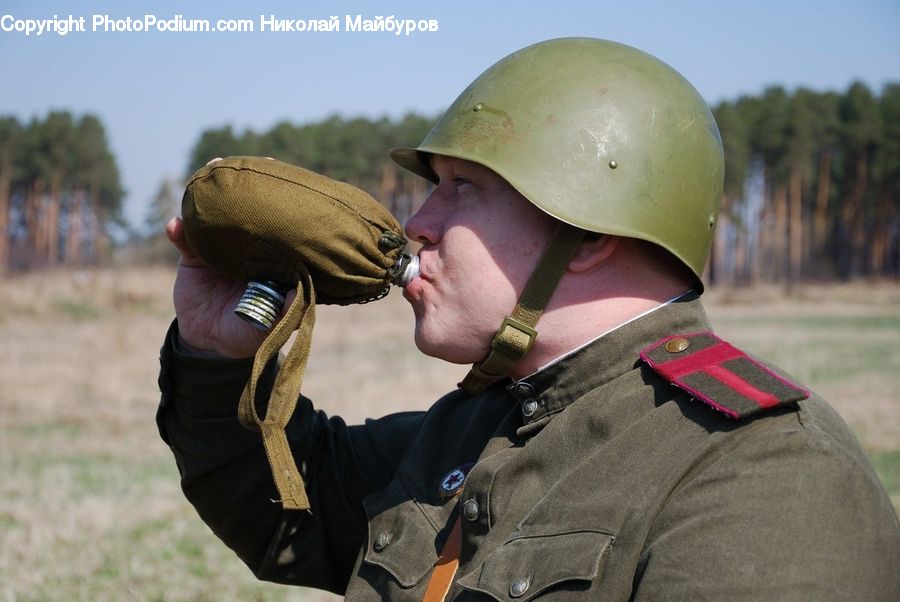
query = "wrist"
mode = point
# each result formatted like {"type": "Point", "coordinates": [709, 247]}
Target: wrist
{"type": "Point", "coordinates": [186, 348]}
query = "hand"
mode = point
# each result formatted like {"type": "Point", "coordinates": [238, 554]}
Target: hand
{"type": "Point", "coordinates": [204, 304]}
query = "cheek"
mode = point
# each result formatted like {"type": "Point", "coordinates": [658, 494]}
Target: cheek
{"type": "Point", "coordinates": [486, 258]}
{"type": "Point", "coordinates": [474, 267]}
{"type": "Point", "coordinates": [479, 267]}
{"type": "Point", "coordinates": [472, 290]}
{"type": "Point", "coordinates": [515, 255]}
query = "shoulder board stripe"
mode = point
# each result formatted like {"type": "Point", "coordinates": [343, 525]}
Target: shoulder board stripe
{"type": "Point", "coordinates": [765, 400]}
{"type": "Point", "coordinates": [720, 375]}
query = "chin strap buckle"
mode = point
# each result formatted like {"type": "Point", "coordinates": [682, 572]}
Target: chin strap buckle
{"type": "Point", "coordinates": [513, 340]}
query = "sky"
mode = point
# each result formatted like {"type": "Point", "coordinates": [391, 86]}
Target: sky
{"type": "Point", "coordinates": [156, 92]}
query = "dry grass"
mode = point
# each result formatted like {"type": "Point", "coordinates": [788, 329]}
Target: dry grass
{"type": "Point", "coordinates": [842, 341]}
{"type": "Point", "coordinates": [90, 507]}
{"type": "Point", "coordinates": [89, 502]}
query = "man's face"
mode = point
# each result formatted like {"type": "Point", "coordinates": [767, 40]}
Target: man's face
{"type": "Point", "coordinates": [481, 241]}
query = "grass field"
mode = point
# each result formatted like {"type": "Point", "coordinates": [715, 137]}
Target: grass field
{"type": "Point", "coordinates": [90, 507]}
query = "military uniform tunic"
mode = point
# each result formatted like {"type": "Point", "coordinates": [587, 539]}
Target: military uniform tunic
{"type": "Point", "coordinates": [593, 479]}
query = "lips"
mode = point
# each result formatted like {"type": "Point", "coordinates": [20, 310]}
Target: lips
{"type": "Point", "coordinates": [413, 289]}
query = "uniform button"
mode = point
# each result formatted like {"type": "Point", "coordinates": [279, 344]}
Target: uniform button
{"type": "Point", "coordinates": [677, 345]}
{"type": "Point", "coordinates": [382, 541]}
{"type": "Point", "coordinates": [529, 408]}
{"type": "Point", "coordinates": [518, 587]}
{"type": "Point", "coordinates": [471, 510]}
{"type": "Point", "coordinates": [523, 390]}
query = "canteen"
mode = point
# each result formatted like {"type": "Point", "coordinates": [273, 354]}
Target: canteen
{"type": "Point", "coordinates": [258, 220]}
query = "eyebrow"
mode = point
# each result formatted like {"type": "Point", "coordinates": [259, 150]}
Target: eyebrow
{"type": "Point", "coordinates": [452, 163]}
{"type": "Point", "coordinates": [432, 159]}
{"type": "Point", "coordinates": [449, 164]}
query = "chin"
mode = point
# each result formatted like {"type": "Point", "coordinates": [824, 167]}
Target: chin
{"type": "Point", "coordinates": [439, 348]}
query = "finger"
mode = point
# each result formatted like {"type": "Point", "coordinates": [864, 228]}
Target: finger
{"type": "Point", "coordinates": [175, 234]}
{"type": "Point", "coordinates": [289, 298]}
{"type": "Point", "coordinates": [288, 301]}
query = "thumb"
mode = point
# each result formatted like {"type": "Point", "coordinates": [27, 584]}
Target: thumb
{"type": "Point", "coordinates": [175, 234]}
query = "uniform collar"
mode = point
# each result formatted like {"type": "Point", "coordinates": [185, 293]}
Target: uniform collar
{"type": "Point", "coordinates": [552, 388]}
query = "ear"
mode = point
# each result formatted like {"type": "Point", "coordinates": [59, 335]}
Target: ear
{"type": "Point", "coordinates": [594, 250]}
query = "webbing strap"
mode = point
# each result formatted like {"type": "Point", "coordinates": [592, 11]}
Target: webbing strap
{"type": "Point", "coordinates": [445, 569]}
{"type": "Point", "coordinates": [517, 334]}
{"type": "Point", "coordinates": [301, 315]}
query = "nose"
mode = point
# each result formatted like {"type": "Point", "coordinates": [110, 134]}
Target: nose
{"type": "Point", "coordinates": [426, 224]}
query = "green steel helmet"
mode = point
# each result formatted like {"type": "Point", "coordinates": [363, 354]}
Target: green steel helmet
{"type": "Point", "coordinates": [599, 135]}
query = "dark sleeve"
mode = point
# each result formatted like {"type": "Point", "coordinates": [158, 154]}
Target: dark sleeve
{"type": "Point", "coordinates": [790, 515]}
{"type": "Point", "coordinates": [226, 476]}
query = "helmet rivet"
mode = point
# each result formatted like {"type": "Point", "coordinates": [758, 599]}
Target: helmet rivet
{"type": "Point", "coordinates": [613, 164]}
{"type": "Point", "coordinates": [712, 220]}
{"type": "Point", "coordinates": [478, 107]}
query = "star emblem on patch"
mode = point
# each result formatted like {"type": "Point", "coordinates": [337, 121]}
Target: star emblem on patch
{"type": "Point", "coordinates": [453, 481]}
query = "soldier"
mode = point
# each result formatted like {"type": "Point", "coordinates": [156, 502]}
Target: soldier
{"type": "Point", "coordinates": [625, 453]}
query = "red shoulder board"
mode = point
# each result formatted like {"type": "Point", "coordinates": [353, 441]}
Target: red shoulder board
{"type": "Point", "coordinates": [720, 375]}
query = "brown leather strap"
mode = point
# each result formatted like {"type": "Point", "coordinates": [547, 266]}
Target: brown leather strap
{"type": "Point", "coordinates": [447, 563]}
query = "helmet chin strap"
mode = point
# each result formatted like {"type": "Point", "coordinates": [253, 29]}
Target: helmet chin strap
{"type": "Point", "coordinates": [517, 332]}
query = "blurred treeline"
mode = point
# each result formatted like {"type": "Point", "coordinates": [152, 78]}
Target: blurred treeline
{"type": "Point", "coordinates": [812, 182]}
{"type": "Point", "coordinates": [59, 192]}
{"type": "Point", "coordinates": [812, 186]}
{"type": "Point", "coordinates": [350, 150]}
